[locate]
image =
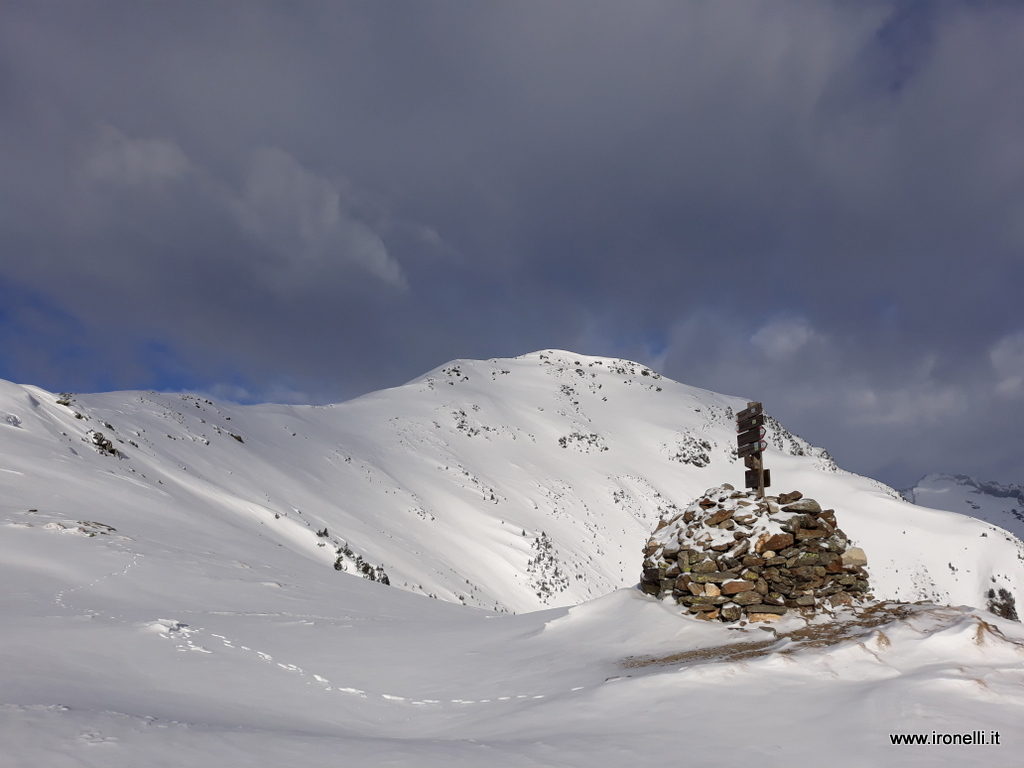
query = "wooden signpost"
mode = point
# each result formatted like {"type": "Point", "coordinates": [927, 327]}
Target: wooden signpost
{"type": "Point", "coordinates": [750, 425]}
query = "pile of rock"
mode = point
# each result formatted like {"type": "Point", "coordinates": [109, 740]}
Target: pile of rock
{"type": "Point", "coordinates": [730, 556]}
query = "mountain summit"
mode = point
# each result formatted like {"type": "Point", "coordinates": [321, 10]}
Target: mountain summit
{"type": "Point", "coordinates": [506, 484]}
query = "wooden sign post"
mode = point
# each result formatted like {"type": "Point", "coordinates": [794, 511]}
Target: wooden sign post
{"type": "Point", "coordinates": [750, 425]}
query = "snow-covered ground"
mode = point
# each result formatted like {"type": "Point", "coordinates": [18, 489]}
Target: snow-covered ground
{"type": "Point", "coordinates": [995, 503]}
{"type": "Point", "coordinates": [195, 599]}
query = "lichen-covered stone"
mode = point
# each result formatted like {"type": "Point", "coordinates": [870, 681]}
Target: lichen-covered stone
{"type": "Point", "coordinates": [855, 556]}
{"type": "Point", "coordinates": [747, 598]}
{"type": "Point", "coordinates": [803, 505]}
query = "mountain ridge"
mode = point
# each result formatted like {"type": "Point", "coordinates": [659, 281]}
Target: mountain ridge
{"type": "Point", "coordinates": [508, 484]}
{"type": "Point", "coordinates": [1001, 504]}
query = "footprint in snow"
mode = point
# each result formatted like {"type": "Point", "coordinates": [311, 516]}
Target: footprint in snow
{"type": "Point", "coordinates": [95, 738]}
{"type": "Point", "coordinates": [353, 691]}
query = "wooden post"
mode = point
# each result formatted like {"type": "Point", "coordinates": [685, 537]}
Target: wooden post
{"type": "Point", "coordinates": [750, 428]}
{"type": "Point", "coordinates": [759, 461]}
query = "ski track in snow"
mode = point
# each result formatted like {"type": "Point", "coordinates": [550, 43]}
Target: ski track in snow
{"type": "Point", "coordinates": [181, 634]}
{"type": "Point", "coordinates": [184, 643]}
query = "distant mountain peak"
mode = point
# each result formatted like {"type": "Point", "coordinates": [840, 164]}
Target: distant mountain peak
{"type": "Point", "coordinates": [1001, 504]}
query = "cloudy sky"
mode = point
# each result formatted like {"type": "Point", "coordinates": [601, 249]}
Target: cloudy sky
{"type": "Point", "coordinates": [815, 204]}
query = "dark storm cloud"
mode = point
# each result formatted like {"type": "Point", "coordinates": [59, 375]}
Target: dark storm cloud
{"type": "Point", "coordinates": [820, 205]}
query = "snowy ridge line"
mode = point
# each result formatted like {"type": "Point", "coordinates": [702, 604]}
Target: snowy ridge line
{"type": "Point", "coordinates": [413, 475]}
{"type": "Point", "coordinates": [222, 458]}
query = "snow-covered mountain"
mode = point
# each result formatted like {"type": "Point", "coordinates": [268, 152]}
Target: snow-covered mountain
{"type": "Point", "coordinates": [507, 484]}
{"type": "Point", "coordinates": [182, 586]}
{"type": "Point", "coordinates": [996, 503]}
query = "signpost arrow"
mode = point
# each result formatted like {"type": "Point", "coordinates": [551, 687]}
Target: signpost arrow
{"type": "Point", "coordinates": [751, 423]}
{"type": "Point", "coordinates": [752, 448]}
{"type": "Point", "coordinates": [755, 409]}
{"type": "Point", "coordinates": [750, 436]}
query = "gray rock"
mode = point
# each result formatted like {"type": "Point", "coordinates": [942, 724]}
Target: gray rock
{"type": "Point", "coordinates": [765, 608]}
{"type": "Point", "coordinates": [713, 602]}
{"type": "Point", "coordinates": [775, 542]}
{"type": "Point", "coordinates": [747, 598]}
{"type": "Point", "coordinates": [855, 556]}
{"type": "Point", "coordinates": [716, 577]}
{"type": "Point", "coordinates": [803, 505]}
{"type": "Point", "coordinates": [840, 598]}
{"type": "Point", "coordinates": [651, 575]}
{"type": "Point", "coordinates": [803, 534]}
{"type": "Point", "coordinates": [735, 587]}
{"type": "Point", "coordinates": [731, 612]}
{"type": "Point", "coordinates": [718, 517]}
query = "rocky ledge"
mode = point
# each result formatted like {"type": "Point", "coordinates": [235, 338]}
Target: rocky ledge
{"type": "Point", "coordinates": [731, 556]}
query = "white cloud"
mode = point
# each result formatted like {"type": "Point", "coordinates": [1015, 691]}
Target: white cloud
{"type": "Point", "coordinates": [118, 159]}
{"type": "Point", "coordinates": [781, 339]}
{"type": "Point", "coordinates": [305, 217]}
{"type": "Point", "coordinates": [920, 402]}
{"type": "Point", "coordinates": [1007, 357]}
{"type": "Point", "coordinates": [273, 393]}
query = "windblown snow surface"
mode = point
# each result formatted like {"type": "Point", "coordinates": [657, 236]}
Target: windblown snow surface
{"type": "Point", "coordinates": [199, 583]}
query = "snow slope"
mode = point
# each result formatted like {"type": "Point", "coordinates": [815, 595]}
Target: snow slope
{"type": "Point", "coordinates": [175, 605]}
{"type": "Point", "coordinates": [119, 650]}
{"type": "Point", "coordinates": [508, 484]}
{"type": "Point", "coordinates": [998, 504]}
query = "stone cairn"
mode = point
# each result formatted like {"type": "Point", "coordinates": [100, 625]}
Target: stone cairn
{"type": "Point", "coordinates": [731, 556]}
